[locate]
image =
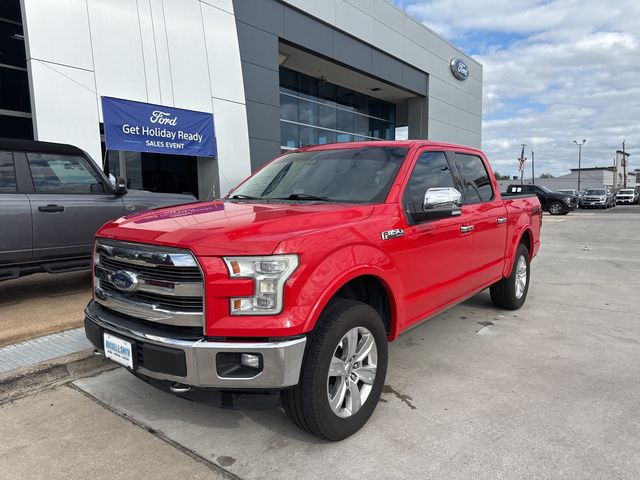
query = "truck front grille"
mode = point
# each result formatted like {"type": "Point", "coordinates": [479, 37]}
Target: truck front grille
{"type": "Point", "coordinates": [153, 283]}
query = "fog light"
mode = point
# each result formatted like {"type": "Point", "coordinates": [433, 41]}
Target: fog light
{"type": "Point", "coordinates": [250, 360]}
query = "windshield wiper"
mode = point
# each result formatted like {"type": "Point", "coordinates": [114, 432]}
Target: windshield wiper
{"type": "Point", "coordinates": [303, 196]}
{"type": "Point", "coordinates": [244, 197]}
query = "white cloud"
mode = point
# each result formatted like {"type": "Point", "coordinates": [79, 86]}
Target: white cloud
{"type": "Point", "coordinates": [554, 71]}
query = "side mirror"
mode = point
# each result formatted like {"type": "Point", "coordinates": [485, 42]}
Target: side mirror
{"type": "Point", "coordinates": [441, 198]}
{"type": "Point", "coordinates": [438, 203]}
{"type": "Point", "coordinates": [121, 186]}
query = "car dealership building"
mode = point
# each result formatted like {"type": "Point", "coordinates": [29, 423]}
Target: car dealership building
{"type": "Point", "coordinates": [275, 75]}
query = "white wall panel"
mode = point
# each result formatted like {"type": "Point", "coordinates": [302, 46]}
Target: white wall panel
{"type": "Point", "coordinates": [117, 49]}
{"type": "Point", "coordinates": [223, 53]}
{"type": "Point", "coordinates": [58, 32]}
{"type": "Point", "coordinates": [149, 51]}
{"type": "Point", "coordinates": [232, 135]}
{"type": "Point", "coordinates": [324, 9]}
{"type": "Point", "coordinates": [226, 5]}
{"type": "Point", "coordinates": [162, 53]}
{"type": "Point", "coordinates": [189, 73]}
{"type": "Point", "coordinates": [355, 21]}
{"type": "Point", "coordinates": [389, 15]}
{"type": "Point", "coordinates": [65, 106]}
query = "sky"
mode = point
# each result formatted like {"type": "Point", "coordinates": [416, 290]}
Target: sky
{"type": "Point", "coordinates": [554, 71]}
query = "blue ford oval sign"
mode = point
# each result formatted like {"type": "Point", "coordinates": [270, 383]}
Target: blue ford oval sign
{"type": "Point", "coordinates": [125, 281]}
{"type": "Point", "coordinates": [459, 69]}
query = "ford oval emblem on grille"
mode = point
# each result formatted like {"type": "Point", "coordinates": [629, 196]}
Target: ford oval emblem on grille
{"type": "Point", "coordinates": [125, 281]}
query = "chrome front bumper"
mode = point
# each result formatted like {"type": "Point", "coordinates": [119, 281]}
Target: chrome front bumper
{"type": "Point", "coordinates": [281, 360]}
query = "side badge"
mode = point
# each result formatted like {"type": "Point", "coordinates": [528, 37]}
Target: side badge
{"type": "Point", "coordinates": [130, 208]}
{"type": "Point", "coordinates": [397, 232]}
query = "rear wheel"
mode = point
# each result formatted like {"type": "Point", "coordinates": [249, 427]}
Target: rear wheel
{"type": "Point", "coordinates": [343, 373]}
{"type": "Point", "coordinates": [555, 208]}
{"type": "Point", "coordinates": [511, 292]}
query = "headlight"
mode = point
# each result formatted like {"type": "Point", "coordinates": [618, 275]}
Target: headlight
{"type": "Point", "coordinates": [270, 274]}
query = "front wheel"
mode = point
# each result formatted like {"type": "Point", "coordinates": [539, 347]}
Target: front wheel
{"type": "Point", "coordinates": [511, 292]}
{"type": "Point", "coordinates": [343, 372]}
{"type": "Point", "coordinates": [555, 208]}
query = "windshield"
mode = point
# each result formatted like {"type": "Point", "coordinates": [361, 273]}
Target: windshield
{"type": "Point", "coordinates": [348, 175]}
{"type": "Point", "coordinates": [544, 189]}
{"type": "Point", "coordinates": [626, 192]}
{"type": "Point", "coordinates": [595, 192]}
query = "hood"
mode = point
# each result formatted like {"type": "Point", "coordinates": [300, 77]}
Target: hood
{"type": "Point", "coordinates": [140, 200]}
{"type": "Point", "coordinates": [232, 227]}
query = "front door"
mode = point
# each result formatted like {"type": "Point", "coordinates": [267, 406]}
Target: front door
{"type": "Point", "coordinates": [68, 205]}
{"type": "Point", "coordinates": [435, 255]}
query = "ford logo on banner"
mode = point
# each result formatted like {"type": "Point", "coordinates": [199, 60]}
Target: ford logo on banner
{"type": "Point", "coordinates": [459, 69]}
{"type": "Point", "coordinates": [144, 127]}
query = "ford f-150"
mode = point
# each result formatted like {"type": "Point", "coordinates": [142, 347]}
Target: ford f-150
{"type": "Point", "coordinates": [298, 279]}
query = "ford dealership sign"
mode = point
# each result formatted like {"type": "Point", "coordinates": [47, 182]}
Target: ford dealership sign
{"type": "Point", "coordinates": [459, 69]}
{"type": "Point", "coordinates": [144, 127]}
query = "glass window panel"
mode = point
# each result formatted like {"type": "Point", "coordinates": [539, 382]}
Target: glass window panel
{"type": "Point", "coordinates": [328, 117]}
{"type": "Point", "coordinates": [388, 131]}
{"type": "Point", "coordinates": [345, 121]}
{"type": "Point", "coordinates": [16, 127]}
{"type": "Point", "coordinates": [288, 135]}
{"type": "Point", "coordinates": [288, 108]}
{"type": "Point", "coordinates": [326, 136]}
{"type": "Point", "coordinates": [12, 45]}
{"type": "Point", "coordinates": [288, 80]}
{"type": "Point", "coordinates": [14, 90]}
{"type": "Point", "coordinates": [343, 137]}
{"type": "Point", "coordinates": [361, 103]}
{"type": "Point", "coordinates": [477, 183]}
{"type": "Point", "coordinates": [7, 173]}
{"type": "Point", "coordinates": [10, 9]}
{"type": "Point", "coordinates": [431, 171]}
{"type": "Point", "coordinates": [327, 91]}
{"type": "Point", "coordinates": [344, 96]}
{"type": "Point", "coordinates": [374, 107]}
{"type": "Point", "coordinates": [308, 136]}
{"type": "Point", "coordinates": [133, 161]}
{"type": "Point", "coordinates": [308, 87]}
{"type": "Point", "coordinates": [63, 174]}
{"type": "Point", "coordinates": [308, 112]}
{"type": "Point", "coordinates": [361, 125]}
{"type": "Point", "coordinates": [375, 128]}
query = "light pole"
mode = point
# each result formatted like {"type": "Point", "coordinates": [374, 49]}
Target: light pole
{"type": "Point", "coordinates": [584, 140]}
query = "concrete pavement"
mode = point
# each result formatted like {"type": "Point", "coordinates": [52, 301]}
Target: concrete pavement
{"type": "Point", "coordinates": [550, 391]}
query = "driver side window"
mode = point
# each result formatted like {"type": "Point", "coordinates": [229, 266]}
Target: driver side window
{"type": "Point", "coordinates": [431, 171]}
{"type": "Point", "coordinates": [62, 174]}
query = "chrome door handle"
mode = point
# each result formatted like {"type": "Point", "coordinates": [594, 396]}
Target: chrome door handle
{"type": "Point", "coordinates": [502, 220]}
{"type": "Point", "coordinates": [466, 228]}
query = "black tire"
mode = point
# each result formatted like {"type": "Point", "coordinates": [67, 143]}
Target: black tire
{"type": "Point", "coordinates": [565, 213]}
{"type": "Point", "coordinates": [556, 208]}
{"type": "Point", "coordinates": [307, 403]}
{"type": "Point", "coordinates": [503, 292]}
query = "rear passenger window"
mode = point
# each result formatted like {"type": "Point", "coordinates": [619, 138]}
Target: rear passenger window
{"type": "Point", "coordinates": [475, 177]}
{"type": "Point", "coordinates": [7, 173]}
{"type": "Point", "coordinates": [62, 174]}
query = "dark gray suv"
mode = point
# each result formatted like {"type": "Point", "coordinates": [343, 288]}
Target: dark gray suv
{"type": "Point", "coordinates": [53, 198]}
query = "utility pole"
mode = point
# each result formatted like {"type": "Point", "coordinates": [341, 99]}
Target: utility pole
{"type": "Point", "coordinates": [533, 169]}
{"type": "Point", "coordinates": [584, 140]}
{"type": "Point", "coordinates": [624, 164]}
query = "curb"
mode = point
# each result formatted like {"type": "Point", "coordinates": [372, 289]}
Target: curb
{"type": "Point", "coordinates": [23, 381]}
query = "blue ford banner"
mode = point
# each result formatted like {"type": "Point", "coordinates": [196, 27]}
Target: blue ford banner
{"type": "Point", "coordinates": [144, 127]}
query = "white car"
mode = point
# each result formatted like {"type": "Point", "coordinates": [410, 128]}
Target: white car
{"type": "Point", "coordinates": [627, 195]}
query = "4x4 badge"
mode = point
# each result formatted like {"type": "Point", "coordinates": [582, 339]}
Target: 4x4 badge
{"type": "Point", "coordinates": [396, 232]}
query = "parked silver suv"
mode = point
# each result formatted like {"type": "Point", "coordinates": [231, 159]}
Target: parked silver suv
{"type": "Point", "coordinates": [53, 198]}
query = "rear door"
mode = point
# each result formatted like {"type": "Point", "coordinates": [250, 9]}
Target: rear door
{"type": "Point", "coordinates": [69, 202]}
{"type": "Point", "coordinates": [435, 255]}
{"type": "Point", "coordinates": [15, 214]}
{"type": "Point", "coordinates": [488, 218]}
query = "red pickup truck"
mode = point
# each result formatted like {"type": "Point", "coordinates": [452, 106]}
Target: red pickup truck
{"type": "Point", "coordinates": [297, 279]}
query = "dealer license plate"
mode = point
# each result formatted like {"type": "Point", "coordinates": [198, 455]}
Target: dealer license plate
{"type": "Point", "coordinates": [118, 350]}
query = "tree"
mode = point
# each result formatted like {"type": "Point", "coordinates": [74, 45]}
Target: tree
{"type": "Point", "coordinates": [501, 177]}
{"type": "Point", "coordinates": [546, 175]}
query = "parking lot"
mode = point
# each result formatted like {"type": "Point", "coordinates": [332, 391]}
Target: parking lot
{"type": "Point", "coordinates": [549, 391]}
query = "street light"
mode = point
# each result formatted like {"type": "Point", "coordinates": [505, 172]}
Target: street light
{"type": "Point", "coordinates": [584, 140]}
